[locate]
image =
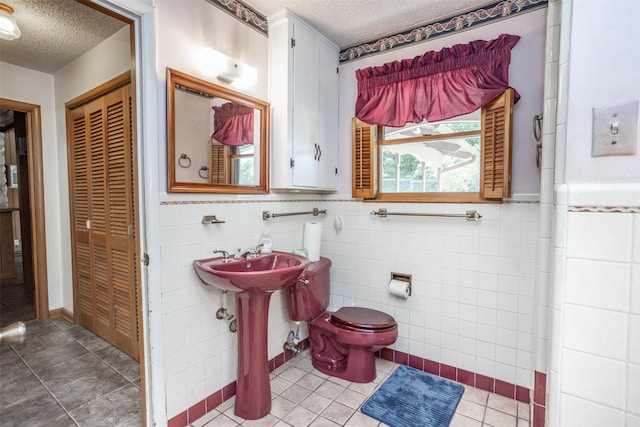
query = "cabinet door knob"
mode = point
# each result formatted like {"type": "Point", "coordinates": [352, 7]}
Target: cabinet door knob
{"type": "Point", "coordinates": [319, 152]}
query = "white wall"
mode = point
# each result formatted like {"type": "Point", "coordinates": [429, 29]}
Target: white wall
{"type": "Point", "coordinates": [109, 59]}
{"type": "Point", "coordinates": [594, 364]}
{"type": "Point", "coordinates": [185, 28]}
{"type": "Point", "coordinates": [525, 75]}
{"type": "Point", "coordinates": [24, 85]}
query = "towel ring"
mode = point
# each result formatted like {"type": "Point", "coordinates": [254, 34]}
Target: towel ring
{"type": "Point", "coordinates": [205, 169]}
{"type": "Point", "coordinates": [186, 159]}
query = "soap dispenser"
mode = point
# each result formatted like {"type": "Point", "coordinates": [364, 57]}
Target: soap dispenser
{"type": "Point", "coordinates": [266, 244]}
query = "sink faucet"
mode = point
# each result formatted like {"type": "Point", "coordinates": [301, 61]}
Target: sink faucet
{"type": "Point", "coordinates": [225, 254]}
{"type": "Point", "coordinates": [246, 253]}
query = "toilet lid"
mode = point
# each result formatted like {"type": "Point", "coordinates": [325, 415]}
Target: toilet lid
{"type": "Point", "coordinates": [363, 318]}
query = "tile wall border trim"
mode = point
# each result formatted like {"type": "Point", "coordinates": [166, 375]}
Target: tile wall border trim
{"type": "Point", "coordinates": [604, 209]}
{"type": "Point", "coordinates": [244, 13]}
{"type": "Point", "coordinates": [459, 22]}
{"type": "Point", "coordinates": [229, 202]}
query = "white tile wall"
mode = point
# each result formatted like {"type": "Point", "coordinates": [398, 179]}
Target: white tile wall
{"type": "Point", "coordinates": [471, 305]}
{"type": "Point", "coordinates": [595, 346]}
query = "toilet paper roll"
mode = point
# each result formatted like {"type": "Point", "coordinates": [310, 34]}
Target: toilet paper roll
{"type": "Point", "coordinates": [399, 288]}
{"type": "Point", "coordinates": [312, 239]}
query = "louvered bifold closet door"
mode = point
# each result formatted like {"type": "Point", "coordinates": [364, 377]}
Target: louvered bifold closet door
{"type": "Point", "coordinates": [80, 211]}
{"type": "Point", "coordinates": [103, 202]}
{"type": "Point", "coordinates": [120, 222]}
{"type": "Point", "coordinates": [495, 171]}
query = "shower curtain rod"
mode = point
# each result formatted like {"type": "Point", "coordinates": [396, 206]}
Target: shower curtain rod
{"type": "Point", "coordinates": [469, 215]}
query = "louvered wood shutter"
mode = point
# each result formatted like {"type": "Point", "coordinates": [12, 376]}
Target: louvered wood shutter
{"type": "Point", "coordinates": [495, 166]}
{"type": "Point", "coordinates": [364, 155]}
{"type": "Point", "coordinates": [218, 169]}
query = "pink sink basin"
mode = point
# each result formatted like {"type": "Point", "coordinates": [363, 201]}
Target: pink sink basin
{"type": "Point", "coordinates": [253, 280]}
{"type": "Point", "coordinates": [264, 273]}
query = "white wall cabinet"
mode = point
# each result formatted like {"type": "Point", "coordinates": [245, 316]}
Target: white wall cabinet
{"type": "Point", "coordinates": [303, 74]}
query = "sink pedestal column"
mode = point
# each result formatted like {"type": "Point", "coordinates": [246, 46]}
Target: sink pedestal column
{"type": "Point", "coordinates": [253, 390]}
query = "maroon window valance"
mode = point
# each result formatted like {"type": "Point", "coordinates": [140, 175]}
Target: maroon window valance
{"type": "Point", "coordinates": [233, 124]}
{"type": "Point", "coordinates": [437, 85]}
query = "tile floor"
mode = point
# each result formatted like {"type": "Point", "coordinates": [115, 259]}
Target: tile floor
{"type": "Point", "coordinates": [64, 375]}
{"type": "Point", "coordinates": [16, 297]}
{"type": "Point", "coordinates": [303, 396]}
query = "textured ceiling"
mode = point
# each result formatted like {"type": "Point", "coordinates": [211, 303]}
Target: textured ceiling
{"type": "Point", "coordinates": [349, 22]}
{"type": "Point", "coordinates": [54, 33]}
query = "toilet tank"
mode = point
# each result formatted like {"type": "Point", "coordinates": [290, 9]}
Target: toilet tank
{"type": "Point", "coordinates": [307, 301]}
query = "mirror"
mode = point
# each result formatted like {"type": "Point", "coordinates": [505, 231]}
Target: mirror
{"type": "Point", "coordinates": [218, 139]}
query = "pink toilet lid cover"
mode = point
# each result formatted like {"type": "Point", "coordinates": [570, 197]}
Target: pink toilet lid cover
{"type": "Point", "coordinates": [363, 318]}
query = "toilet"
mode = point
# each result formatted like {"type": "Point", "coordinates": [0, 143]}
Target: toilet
{"type": "Point", "coordinates": [343, 343]}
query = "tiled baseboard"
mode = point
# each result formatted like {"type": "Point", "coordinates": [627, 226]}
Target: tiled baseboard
{"type": "Point", "coordinates": [539, 399]}
{"type": "Point", "coordinates": [493, 385]}
{"type": "Point", "coordinates": [483, 382]}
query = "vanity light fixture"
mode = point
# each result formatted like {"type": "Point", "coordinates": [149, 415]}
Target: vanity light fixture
{"type": "Point", "coordinates": [228, 70]}
{"type": "Point", "coordinates": [8, 25]}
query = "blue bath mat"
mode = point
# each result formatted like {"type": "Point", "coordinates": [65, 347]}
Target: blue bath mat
{"type": "Point", "coordinates": [412, 398]}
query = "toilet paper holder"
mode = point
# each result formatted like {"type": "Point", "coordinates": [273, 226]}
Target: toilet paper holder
{"type": "Point", "coordinates": [403, 278]}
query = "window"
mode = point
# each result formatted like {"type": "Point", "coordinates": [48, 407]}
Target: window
{"type": "Point", "coordinates": [464, 159]}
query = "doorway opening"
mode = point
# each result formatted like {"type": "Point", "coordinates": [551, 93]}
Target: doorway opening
{"type": "Point", "coordinates": [17, 284]}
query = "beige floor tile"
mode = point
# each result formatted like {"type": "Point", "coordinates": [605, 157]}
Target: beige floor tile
{"type": "Point", "coordinates": [279, 384]}
{"type": "Point", "coordinates": [363, 388]}
{"type": "Point", "coordinates": [358, 419]}
{"type": "Point", "coordinates": [296, 393]}
{"type": "Point", "coordinates": [338, 413]}
{"type": "Point", "coordinates": [475, 395]}
{"type": "Point", "coordinates": [282, 424]}
{"type": "Point", "coordinates": [310, 381]}
{"type": "Point", "coordinates": [496, 418]}
{"type": "Point", "coordinates": [293, 374]}
{"type": "Point", "coordinates": [266, 421]}
{"type": "Point", "coordinates": [222, 421]}
{"type": "Point", "coordinates": [523, 410]}
{"type": "Point", "coordinates": [471, 409]}
{"type": "Point", "coordinates": [226, 404]}
{"type": "Point", "coordinates": [281, 406]}
{"type": "Point", "coordinates": [523, 423]}
{"type": "Point", "coordinates": [351, 398]}
{"type": "Point", "coordinates": [316, 403]}
{"type": "Point", "coordinates": [330, 389]}
{"type": "Point", "coordinates": [299, 417]}
{"type": "Point", "coordinates": [305, 364]}
{"type": "Point", "coordinates": [340, 381]}
{"type": "Point", "coordinates": [462, 421]}
{"type": "Point", "coordinates": [323, 422]}
{"type": "Point", "coordinates": [503, 404]}
{"type": "Point", "coordinates": [230, 413]}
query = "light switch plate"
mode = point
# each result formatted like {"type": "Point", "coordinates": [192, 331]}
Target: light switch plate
{"type": "Point", "coordinates": [615, 130]}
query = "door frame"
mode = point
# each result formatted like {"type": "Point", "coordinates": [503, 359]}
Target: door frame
{"type": "Point", "coordinates": [36, 194]}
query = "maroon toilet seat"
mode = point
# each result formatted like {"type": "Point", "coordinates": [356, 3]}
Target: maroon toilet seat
{"type": "Point", "coordinates": [363, 319]}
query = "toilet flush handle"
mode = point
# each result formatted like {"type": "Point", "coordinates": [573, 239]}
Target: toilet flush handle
{"type": "Point", "coordinates": [303, 281]}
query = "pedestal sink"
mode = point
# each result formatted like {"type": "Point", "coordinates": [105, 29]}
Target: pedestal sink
{"type": "Point", "coordinates": [253, 280]}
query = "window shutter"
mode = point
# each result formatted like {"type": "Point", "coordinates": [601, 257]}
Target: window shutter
{"type": "Point", "coordinates": [364, 154]}
{"type": "Point", "coordinates": [495, 169]}
{"type": "Point", "coordinates": [218, 169]}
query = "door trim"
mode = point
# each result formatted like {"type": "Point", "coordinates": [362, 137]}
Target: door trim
{"type": "Point", "coordinates": [36, 194]}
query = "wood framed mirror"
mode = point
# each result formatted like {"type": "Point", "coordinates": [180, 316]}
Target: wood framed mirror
{"type": "Point", "coordinates": [218, 139]}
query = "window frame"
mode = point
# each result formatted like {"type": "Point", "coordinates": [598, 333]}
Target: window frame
{"type": "Point", "coordinates": [495, 163]}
